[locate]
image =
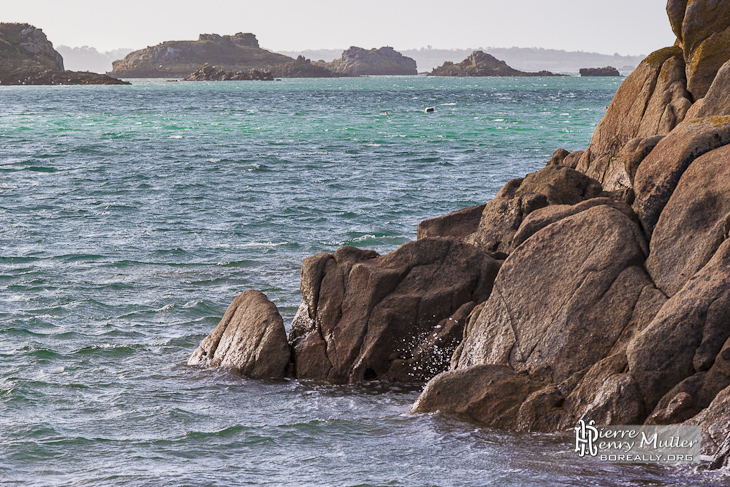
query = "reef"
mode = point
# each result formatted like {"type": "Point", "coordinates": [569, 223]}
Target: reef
{"type": "Point", "coordinates": [212, 73]}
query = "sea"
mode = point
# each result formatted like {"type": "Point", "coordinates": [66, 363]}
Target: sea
{"type": "Point", "coordinates": [131, 216]}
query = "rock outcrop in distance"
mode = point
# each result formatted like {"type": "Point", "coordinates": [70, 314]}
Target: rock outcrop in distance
{"type": "Point", "coordinates": [177, 59]}
{"type": "Point", "coordinates": [27, 57]}
{"type": "Point", "coordinates": [597, 288]}
{"type": "Point", "coordinates": [357, 61]}
{"type": "Point", "coordinates": [212, 73]}
{"type": "Point", "coordinates": [607, 71]}
{"type": "Point", "coordinates": [482, 64]}
{"type": "Point", "coordinates": [303, 68]}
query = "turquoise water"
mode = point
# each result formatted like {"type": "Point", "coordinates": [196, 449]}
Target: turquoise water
{"type": "Point", "coordinates": [131, 216]}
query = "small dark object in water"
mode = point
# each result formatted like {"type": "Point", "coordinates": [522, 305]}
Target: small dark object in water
{"type": "Point", "coordinates": [430, 109]}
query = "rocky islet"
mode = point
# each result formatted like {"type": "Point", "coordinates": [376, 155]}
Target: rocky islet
{"type": "Point", "coordinates": [27, 57]}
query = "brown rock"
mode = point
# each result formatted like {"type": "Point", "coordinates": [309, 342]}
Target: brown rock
{"type": "Point", "coordinates": [584, 394]}
{"type": "Point", "coordinates": [558, 157]}
{"type": "Point", "coordinates": [502, 217]}
{"type": "Point", "coordinates": [622, 169]}
{"type": "Point", "coordinates": [548, 306]}
{"type": "Point", "coordinates": [705, 41]}
{"type": "Point", "coordinates": [695, 393]}
{"type": "Point", "coordinates": [374, 317]}
{"type": "Point", "coordinates": [572, 159]}
{"type": "Point", "coordinates": [250, 339]}
{"type": "Point", "coordinates": [618, 401]}
{"type": "Point", "coordinates": [675, 10]}
{"type": "Point", "coordinates": [542, 411]}
{"type": "Point", "coordinates": [687, 334]}
{"type": "Point", "coordinates": [694, 222]}
{"type": "Point", "coordinates": [717, 100]}
{"type": "Point", "coordinates": [715, 423]}
{"type": "Point", "coordinates": [651, 101]}
{"type": "Point", "coordinates": [539, 219]}
{"type": "Point", "coordinates": [457, 224]}
{"type": "Point", "coordinates": [433, 354]}
{"type": "Point", "coordinates": [659, 173]}
{"type": "Point", "coordinates": [489, 394]}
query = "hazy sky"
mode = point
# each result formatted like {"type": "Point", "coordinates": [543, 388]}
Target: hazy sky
{"type": "Point", "coordinates": [623, 26]}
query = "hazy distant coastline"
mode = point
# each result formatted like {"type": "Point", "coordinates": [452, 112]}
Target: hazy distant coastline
{"type": "Point", "coordinates": [528, 59]}
{"type": "Point", "coordinates": [522, 58]}
{"type": "Point", "coordinates": [87, 58]}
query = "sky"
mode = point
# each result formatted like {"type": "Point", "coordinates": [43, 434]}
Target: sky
{"type": "Point", "coordinates": [618, 26]}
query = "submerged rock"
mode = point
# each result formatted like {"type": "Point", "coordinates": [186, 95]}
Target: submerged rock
{"type": "Point", "coordinates": [250, 339]}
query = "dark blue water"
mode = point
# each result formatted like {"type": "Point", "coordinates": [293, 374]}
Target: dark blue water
{"type": "Point", "coordinates": [131, 216]}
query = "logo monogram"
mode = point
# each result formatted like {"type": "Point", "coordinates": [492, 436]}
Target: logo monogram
{"type": "Point", "coordinates": [585, 438]}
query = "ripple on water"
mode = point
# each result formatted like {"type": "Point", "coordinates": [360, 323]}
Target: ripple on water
{"type": "Point", "coordinates": [122, 247]}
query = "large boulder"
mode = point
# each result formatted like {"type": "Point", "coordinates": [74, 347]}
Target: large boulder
{"type": "Point", "coordinates": [717, 100]}
{"type": "Point", "coordinates": [621, 169]}
{"type": "Point", "coordinates": [457, 224]}
{"type": "Point", "coordinates": [715, 423]}
{"type": "Point", "coordinates": [658, 175]}
{"type": "Point", "coordinates": [366, 316]}
{"type": "Point", "coordinates": [687, 334]}
{"type": "Point", "coordinates": [694, 222]}
{"type": "Point", "coordinates": [489, 394]}
{"type": "Point", "coordinates": [539, 219]}
{"type": "Point", "coordinates": [704, 37]}
{"type": "Point", "coordinates": [651, 101]}
{"type": "Point", "coordinates": [548, 306]}
{"type": "Point", "coordinates": [552, 185]}
{"type": "Point", "coordinates": [250, 339]}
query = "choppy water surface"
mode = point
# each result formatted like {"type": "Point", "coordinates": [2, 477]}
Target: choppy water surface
{"type": "Point", "coordinates": [131, 216]}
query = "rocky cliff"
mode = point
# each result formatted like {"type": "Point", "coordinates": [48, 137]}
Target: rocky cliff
{"type": "Point", "coordinates": [357, 61]}
{"type": "Point", "coordinates": [23, 48]}
{"type": "Point", "coordinates": [171, 59]}
{"type": "Point", "coordinates": [481, 64]}
{"type": "Point", "coordinates": [27, 57]}
{"type": "Point", "coordinates": [597, 288]}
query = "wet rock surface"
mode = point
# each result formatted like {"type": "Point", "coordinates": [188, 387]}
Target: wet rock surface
{"type": "Point", "coordinates": [250, 339]}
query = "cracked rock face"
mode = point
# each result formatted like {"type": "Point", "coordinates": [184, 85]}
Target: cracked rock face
{"type": "Point", "coordinates": [365, 316]}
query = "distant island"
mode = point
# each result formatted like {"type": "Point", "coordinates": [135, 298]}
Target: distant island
{"type": "Point", "coordinates": [241, 53]}
{"type": "Point", "coordinates": [522, 58]}
{"type": "Point", "coordinates": [177, 59]}
{"type": "Point", "coordinates": [27, 57]}
{"type": "Point", "coordinates": [357, 61]}
{"type": "Point", "coordinates": [607, 71]}
{"type": "Point", "coordinates": [482, 64]}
